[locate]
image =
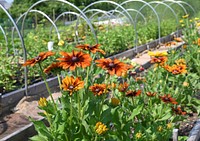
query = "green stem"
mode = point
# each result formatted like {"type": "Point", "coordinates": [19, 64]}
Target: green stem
{"type": "Point", "coordinates": [70, 120]}
{"type": "Point", "coordinates": [47, 86]}
{"type": "Point", "coordinates": [87, 75]}
{"type": "Point", "coordinates": [59, 81]}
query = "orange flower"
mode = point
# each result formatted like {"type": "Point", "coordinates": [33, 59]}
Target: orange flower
{"type": "Point", "coordinates": [178, 69]}
{"type": "Point", "coordinates": [151, 94]}
{"type": "Point", "coordinates": [74, 59]}
{"type": "Point", "coordinates": [113, 66]}
{"type": "Point", "coordinates": [92, 49]}
{"type": "Point", "coordinates": [167, 67]}
{"type": "Point", "coordinates": [71, 84]}
{"type": "Point", "coordinates": [133, 93]}
{"type": "Point", "coordinates": [170, 43]}
{"type": "Point", "coordinates": [98, 89]}
{"type": "Point", "coordinates": [140, 79]}
{"type": "Point", "coordinates": [178, 111]}
{"type": "Point", "coordinates": [168, 99]}
{"type": "Point", "coordinates": [178, 39]}
{"type": "Point", "coordinates": [123, 87]}
{"type": "Point", "coordinates": [41, 57]}
{"type": "Point", "coordinates": [159, 60]}
{"type": "Point", "coordinates": [54, 67]}
{"type": "Point", "coordinates": [198, 41]}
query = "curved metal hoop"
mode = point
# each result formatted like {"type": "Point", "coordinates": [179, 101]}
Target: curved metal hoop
{"type": "Point", "coordinates": [5, 37]}
{"type": "Point", "coordinates": [108, 13]}
{"type": "Point", "coordinates": [146, 4]}
{"type": "Point", "coordinates": [167, 6]}
{"type": "Point", "coordinates": [72, 13]}
{"type": "Point", "coordinates": [175, 2]}
{"type": "Point", "coordinates": [65, 2]}
{"type": "Point", "coordinates": [134, 10]}
{"type": "Point", "coordinates": [42, 13]}
{"type": "Point", "coordinates": [118, 6]}
{"type": "Point", "coordinates": [187, 5]}
{"type": "Point", "coordinates": [113, 3]}
{"type": "Point", "coordinates": [180, 4]}
{"type": "Point", "coordinates": [22, 44]}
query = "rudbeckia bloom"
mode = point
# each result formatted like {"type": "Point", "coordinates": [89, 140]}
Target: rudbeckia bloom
{"type": "Point", "coordinates": [168, 99]}
{"type": "Point", "coordinates": [157, 54]}
{"type": "Point", "coordinates": [42, 102]}
{"type": "Point", "coordinates": [133, 93]}
{"type": "Point", "coordinates": [138, 135]}
{"type": "Point", "coordinates": [178, 69]}
{"type": "Point", "coordinates": [198, 42]}
{"type": "Point", "coordinates": [98, 89]}
{"type": "Point", "coordinates": [178, 39]}
{"type": "Point", "coordinates": [54, 67]}
{"type": "Point", "coordinates": [185, 16]}
{"type": "Point", "coordinates": [112, 66]}
{"type": "Point", "coordinates": [123, 87]}
{"type": "Point", "coordinates": [151, 94]}
{"type": "Point", "coordinates": [72, 84]}
{"type": "Point", "coordinates": [41, 57]}
{"type": "Point", "coordinates": [92, 49]}
{"type": "Point", "coordinates": [159, 60]}
{"type": "Point", "coordinates": [180, 62]}
{"type": "Point", "coordinates": [61, 43]}
{"type": "Point", "coordinates": [115, 101]}
{"type": "Point", "coordinates": [178, 111]}
{"type": "Point", "coordinates": [100, 128]}
{"type": "Point", "coordinates": [74, 59]}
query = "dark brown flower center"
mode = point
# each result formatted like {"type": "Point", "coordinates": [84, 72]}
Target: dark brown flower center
{"type": "Point", "coordinates": [75, 59]}
{"type": "Point", "coordinates": [37, 58]}
{"type": "Point", "coordinates": [111, 65]}
{"type": "Point", "coordinates": [71, 87]}
{"type": "Point", "coordinates": [90, 47]}
{"type": "Point", "coordinates": [166, 99]}
{"type": "Point", "coordinates": [97, 90]}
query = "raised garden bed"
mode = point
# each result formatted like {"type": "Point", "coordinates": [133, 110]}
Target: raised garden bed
{"type": "Point", "coordinates": [40, 89]}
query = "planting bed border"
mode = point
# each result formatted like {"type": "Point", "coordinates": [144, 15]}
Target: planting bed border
{"type": "Point", "coordinates": [9, 100]}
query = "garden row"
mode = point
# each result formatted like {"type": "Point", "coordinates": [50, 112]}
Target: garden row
{"type": "Point", "coordinates": [116, 30]}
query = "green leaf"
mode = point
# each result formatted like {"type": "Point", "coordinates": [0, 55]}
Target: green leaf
{"type": "Point", "coordinates": [38, 138]}
{"type": "Point", "coordinates": [165, 117]}
{"type": "Point", "coordinates": [136, 112]}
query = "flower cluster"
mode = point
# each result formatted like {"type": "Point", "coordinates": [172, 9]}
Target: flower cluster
{"type": "Point", "coordinates": [100, 128]}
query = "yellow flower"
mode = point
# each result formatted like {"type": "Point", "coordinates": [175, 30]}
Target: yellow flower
{"type": "Point", "coordinates": [115, 101]}
{"type": "Point", "coordinates": [180, 62]}
{"type": "Point", "coordinates": [169, 125]}
{"type": "Point", "coordinates": [157, 54]}
{"type": "Point", "coordinates": [35, 38]}
{"type": "Point", "coordinates": [181, 21]}
{"type": "Point", "coordinates": [100, 128]}
{"type": "Point", "coordinates": [190, 20]}
{"type": "Point", "coordinates": [184, 46]}
{"type": "Point", "coordinates": [196, 19]}
{"type": "Point", "coordinates": [185, 84]}
{"type": "Point", "coordinates": [160, 128]}
{"type": "Point", "coordinates": [42, 102]}
{"type": "Point", "coordinates": [61, 43]}
{"type": "Point", "coordinates": [198, 24]}
{"type": "Point", "coordinates": [138, 135]}
{"type": "Point", "coordinates": [182, 25]}
{"type": "Point", "coordinates": [186, 16]}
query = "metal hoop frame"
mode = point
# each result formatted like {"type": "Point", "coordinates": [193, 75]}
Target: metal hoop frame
{"type": "Point", "coordinates": [65, 2]}
{"type": "Point", "coordinates": [5, 37]}
{"type": "Point", "coordinates": [22, 44]}
{"type": "Point", "coordinates": [42, 13]}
